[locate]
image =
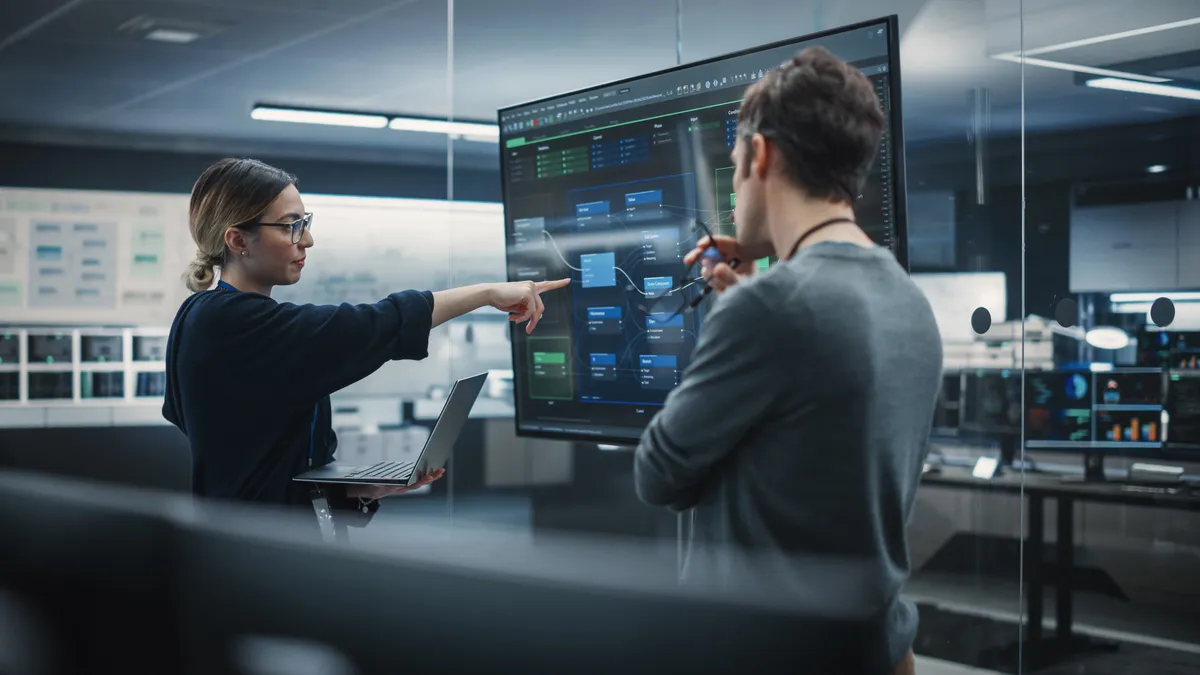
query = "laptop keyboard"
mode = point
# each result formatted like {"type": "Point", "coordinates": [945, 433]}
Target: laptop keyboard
{"type": "Point", "coordinates": [384, 471]}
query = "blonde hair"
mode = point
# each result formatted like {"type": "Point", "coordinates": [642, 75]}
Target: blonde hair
{"type": "Point", "coordinates": [228, 193]}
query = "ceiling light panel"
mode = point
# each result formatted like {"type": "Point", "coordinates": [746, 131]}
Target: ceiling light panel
{"type": "Point", "coordinates": [1078, 62]}
{"type": "Point", "coordinates": [465, 130]}
{"type": "Point", "coordinates": [1075, 68]}
{"type": "Point", "coordinates": [1120, 84]}
{"type": "Point", "coordinates": [336, 119]}
{"type": "Point", "coordinates": [1122, 35]}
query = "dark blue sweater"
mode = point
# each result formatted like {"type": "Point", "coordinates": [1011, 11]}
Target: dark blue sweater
{"type": "Point", "coordinates": [249, 379]}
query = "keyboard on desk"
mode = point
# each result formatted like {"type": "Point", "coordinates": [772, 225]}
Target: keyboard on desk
{"type": "Point", "coordinates": [384, 471]}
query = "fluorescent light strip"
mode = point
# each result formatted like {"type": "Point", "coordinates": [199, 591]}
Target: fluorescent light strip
{"type": "Point", "coordinates": [337, 119]}
{"type": "Point", "coordinates": [1117, 298]}
{"type": "Point", "coordinates": [1113, 36]}
{"type": "Point", "coordinates": [1071, 67]}
{"type": "Point", "coordinates": [466, 130]}
{"type": "Point", "coordinates": [179, 37]}
{"type": "Point", "coordinates": [1119, 84]}
{"type": "Point", "coordinates": [1130, 308]}
{"type": "Point", "coordinates": [1016, 57]}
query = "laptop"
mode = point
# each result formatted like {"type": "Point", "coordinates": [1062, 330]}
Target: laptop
{"type": "Point", "coordinates": [433, 456]}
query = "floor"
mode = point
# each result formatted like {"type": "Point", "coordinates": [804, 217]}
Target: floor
{"type": "Point", "coordinates": [931, 666]}
{"type": "Point", "coordinates": [962, 618]}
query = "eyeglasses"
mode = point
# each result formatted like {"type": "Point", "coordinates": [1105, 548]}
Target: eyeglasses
{"type": "Point", "coordinates": [297, 227]}
{"type": "Point", "coordinates": [686, 291]}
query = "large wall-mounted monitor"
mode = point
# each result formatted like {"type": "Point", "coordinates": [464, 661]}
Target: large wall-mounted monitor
{"type": "Point", "coordinates": [610, 186]}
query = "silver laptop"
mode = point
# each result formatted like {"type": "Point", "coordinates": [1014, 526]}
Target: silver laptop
{"type": "Point", "coordinates": [433, 456]}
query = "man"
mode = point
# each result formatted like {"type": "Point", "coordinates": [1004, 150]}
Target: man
{"type": "Point", "coordinates": [800, 429]}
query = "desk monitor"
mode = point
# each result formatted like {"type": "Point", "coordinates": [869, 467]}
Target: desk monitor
{"type": "Point", "coordinates": [491, 602]}
{"type": "Point", "coordinates": [1181, 423]}
{"type": "Point", "coordinates": [149, 347]}
{"type": "Point", "coordinates": [611, 186]}
{"type": "Point", "coordinates": [991, 402]}
{"type": "Point", "coordinates": [102, 348]}
{"type": "Point", "coordinates": [88, 585]}
{"type": "Point", "coordinates": [1176, 350]}
{"type": "Point", "coordinates": [1115, 412]}
{"type": "Point", "coordinates": [946, 417]}
{"type": "Point", "coordinates": [52, 348]}
{"type": "Point", "coordinates": [10, 348]}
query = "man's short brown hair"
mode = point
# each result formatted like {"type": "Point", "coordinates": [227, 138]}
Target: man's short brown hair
{"type": "Point", "coordinates": [824, 117]}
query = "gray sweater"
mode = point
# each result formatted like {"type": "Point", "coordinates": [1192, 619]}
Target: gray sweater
{"type": "Point", "coordinates": [799, 432]}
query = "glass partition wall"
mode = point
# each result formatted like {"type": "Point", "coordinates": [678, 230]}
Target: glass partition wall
{"type": "Point", "coordinates": [1111, 161]}
{"type": "Point", "coordinates": [1048, 202]}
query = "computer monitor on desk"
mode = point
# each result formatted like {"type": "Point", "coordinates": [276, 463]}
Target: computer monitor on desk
{"type": "Point", "coordinates": [990, 410]}
{"type": "Point", "coordinates": [949, 407]}
{"type": "Point", "coordinates": [1168, 349]}
{"type": "Point", "coordinates": [1145, 414]}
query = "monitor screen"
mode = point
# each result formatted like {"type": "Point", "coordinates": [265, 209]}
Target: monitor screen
{"type": "Point", "coordinates": [10, 348]}
{"type": "Point", "coordinates": [610, 186]}
{"type": "Point", "coordinates": [1058, 408]}
{"type": "Point", "coordinates": [1177, 350]}
{"type": "Point", "coordinates": [991, 402]}
{"type": "Point", "coordinates": [1113, 411]}
{"type": "Point", "coordinates": [946, 416]}
{"type": "Point", "coordinates": [1181, 427]}
{"type": "Point", "coordinates": [50, 348]}
{"type": "Point", "coordinates": [101, 348]}
{"type": "Point", "coordinates": [149, 347]}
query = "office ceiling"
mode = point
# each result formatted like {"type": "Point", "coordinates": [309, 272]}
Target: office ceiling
{"type": "Point", "coordinates": [68, 74]}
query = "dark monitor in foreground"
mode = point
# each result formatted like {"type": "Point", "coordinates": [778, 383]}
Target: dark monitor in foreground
{"type": "Point", "coordinates": [109, 580]}
{"type": "Point", "coordinates": [611, 186]}
{"type": "Point", "coordinates": [86, 583]}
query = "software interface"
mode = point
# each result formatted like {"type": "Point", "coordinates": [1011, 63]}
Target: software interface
{"type": "Point", "coordinates": [1119, 409]}
{"type": "Point", "coordinates": [610, 187]}
{"type": "Point", "coordinates": [1176, 350]}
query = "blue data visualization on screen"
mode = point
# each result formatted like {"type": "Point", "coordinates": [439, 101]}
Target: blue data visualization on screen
{"type": "Point", "coordinates": [611, 187]}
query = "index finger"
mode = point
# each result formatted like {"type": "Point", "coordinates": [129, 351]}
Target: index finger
{"type": "Point", "coordinates": [543, 286]}
{"type": "Point", "coordinates": [701, 246]}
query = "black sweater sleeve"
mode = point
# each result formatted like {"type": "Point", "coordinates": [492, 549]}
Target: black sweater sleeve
{"type": "Point", "coordinates": [304, 352]}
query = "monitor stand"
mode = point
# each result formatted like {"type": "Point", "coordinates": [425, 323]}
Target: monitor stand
{"type": "Point", "coordinates": [1008, 453]}
{"type": "Point", "coordinates": [1093, 470]}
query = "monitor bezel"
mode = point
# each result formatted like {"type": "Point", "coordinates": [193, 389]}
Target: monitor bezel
{"type": "Point", "coordinates": [900, 183]}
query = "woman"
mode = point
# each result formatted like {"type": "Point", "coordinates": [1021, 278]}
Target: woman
{"type": "Point", "coordinates": [249, 379]}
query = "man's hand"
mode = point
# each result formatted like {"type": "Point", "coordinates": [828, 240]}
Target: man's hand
{"type": "Point", "coordinates": [720, 272]}
{"type": "Point", "coordinates": [522, 299]}
{"type": "Point", "coordinates": [381, 491]}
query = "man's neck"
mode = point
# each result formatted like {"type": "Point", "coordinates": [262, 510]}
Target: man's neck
{"type": "Point", "coordinates": [799, 215]}
{"type": "Point", "coordinates": [236, 277]}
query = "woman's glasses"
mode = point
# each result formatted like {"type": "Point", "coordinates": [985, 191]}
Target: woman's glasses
{"type": "Point", "coordinates": [297, 227]}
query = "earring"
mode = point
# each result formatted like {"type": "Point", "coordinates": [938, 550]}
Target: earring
{"type": "Point", "coordinates": [243, 253]}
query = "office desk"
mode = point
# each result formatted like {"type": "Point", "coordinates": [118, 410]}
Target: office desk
{"type": "Point", "coordinates": [1037, 489]}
